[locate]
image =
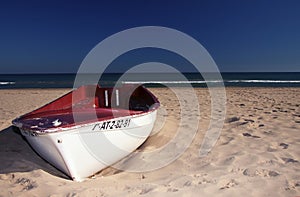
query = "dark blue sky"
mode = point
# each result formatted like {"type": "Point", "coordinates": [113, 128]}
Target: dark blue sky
{"type": "Point", "coordinates": [54, 37]}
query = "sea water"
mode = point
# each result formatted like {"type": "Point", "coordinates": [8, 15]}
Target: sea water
{"type": "Point", "coordinates": [260, 79]}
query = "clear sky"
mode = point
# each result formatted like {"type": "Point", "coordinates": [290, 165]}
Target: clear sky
{"type": "Point", "coordinates": [241, 35]}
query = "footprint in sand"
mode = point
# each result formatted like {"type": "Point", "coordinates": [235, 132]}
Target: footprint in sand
{"type": "Point", "coordinates": [26, 183]}
{"type": "Point", "coordinates": [5, 177]}
{"type": "Point", "coordinates": [232, 119]}
{"type": "Point", "coordinates": [249, 120]}
{"type": "Point", "coordinates": [249, 135]}
{"type": "Point", "coordinates": [226, 140]}
{"type": "Point", "coordinates": [252, 172]}
{"type": "Point", "coordinates": [230, 184]}
{"type": "Point", "coordinates": [284, 145]}
{"type": "Point", "coordinates": [289, 160]}
{"type": "Point", "coordinates": [291, 185]}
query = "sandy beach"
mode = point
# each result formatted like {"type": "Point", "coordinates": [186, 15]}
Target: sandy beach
{"type": "Point", "coordinates": [257, 153]}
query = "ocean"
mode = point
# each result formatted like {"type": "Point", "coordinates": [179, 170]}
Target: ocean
{"type": "Point", "coordinates": [261, 79]}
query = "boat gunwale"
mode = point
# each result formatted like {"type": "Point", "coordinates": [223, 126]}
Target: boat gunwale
{"type": "Point", "coordinates": [41, 131]}
{"type": "Point", "coordinates": [76, 126]}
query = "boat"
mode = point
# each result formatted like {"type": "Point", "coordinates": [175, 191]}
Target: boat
{"type": "Point", "coordinates": [91, 127]}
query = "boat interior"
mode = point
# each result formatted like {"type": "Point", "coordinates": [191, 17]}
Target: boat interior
{"type": "Point", "coordinates": [90, 103]}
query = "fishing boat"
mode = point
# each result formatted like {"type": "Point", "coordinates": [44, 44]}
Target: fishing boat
{"type": "Point", "coordinates": [90, 128]}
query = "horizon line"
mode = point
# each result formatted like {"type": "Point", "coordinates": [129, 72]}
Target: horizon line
{"type": "Point", "coordinates": [71, 73]}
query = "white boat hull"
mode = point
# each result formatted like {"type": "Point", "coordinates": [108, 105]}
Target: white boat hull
{"type": "Point", "coordinates": [82, 151]}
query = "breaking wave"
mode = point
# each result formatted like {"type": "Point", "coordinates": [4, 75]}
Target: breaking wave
{"type": "Point", "coordinates": [7, 82]}
{"type": "Point", "coordinates": [217, 81]}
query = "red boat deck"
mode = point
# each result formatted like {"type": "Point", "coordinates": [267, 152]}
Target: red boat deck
{"type": "Point", "coordinates": [89, 104]}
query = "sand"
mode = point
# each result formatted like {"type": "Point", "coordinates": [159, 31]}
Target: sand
{"type": "Point", "coordinates": [257, 152]}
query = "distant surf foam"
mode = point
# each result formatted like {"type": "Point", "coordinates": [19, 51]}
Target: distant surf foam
{"type": "Point", "coordinates": [263, 81]}
{"type": "Point", "coordinates": [162, 82]}
{"type": "Point", "coordinates": [217, 81]}
{"type": "Point", "coordinates": [154, 80]}
{"type": "Point", "coordinates": [7, 82]}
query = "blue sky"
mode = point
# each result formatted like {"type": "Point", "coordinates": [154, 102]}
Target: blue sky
{"type": "Point", "coordinates": [241, 35]}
